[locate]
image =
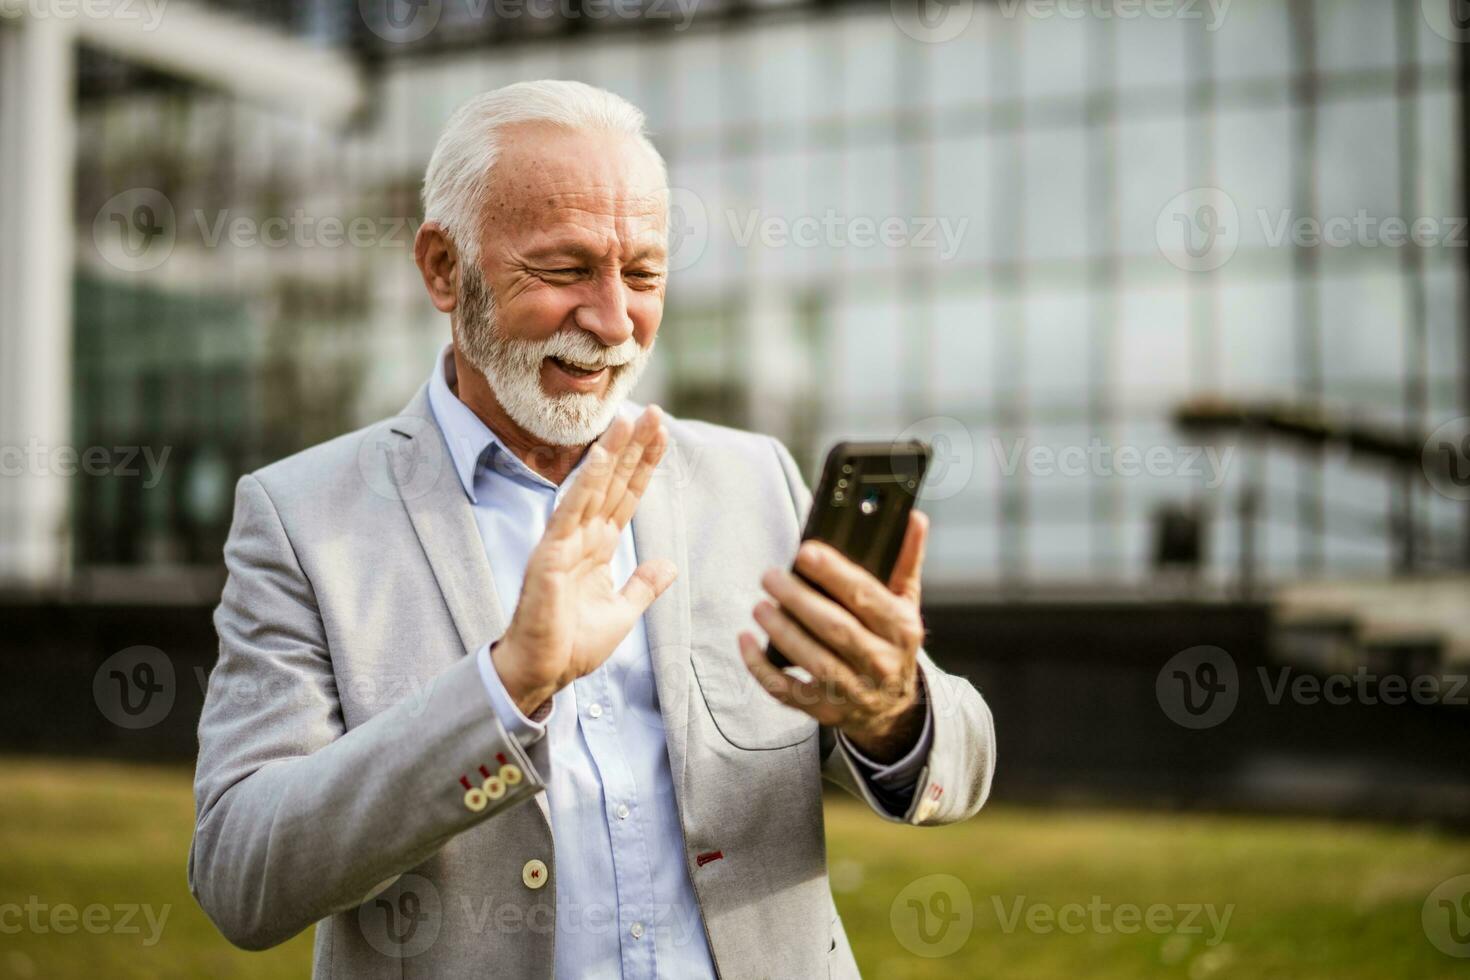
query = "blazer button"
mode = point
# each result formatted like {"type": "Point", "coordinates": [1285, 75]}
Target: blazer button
{"type": "Point", "coordinates": [534, 874]}
{"type": "Point", "coordinates": [510, 773]}
{"type": "Point", "coordinates": [494, 787]}
{"type": "Point", "coordinates": [475, 800]}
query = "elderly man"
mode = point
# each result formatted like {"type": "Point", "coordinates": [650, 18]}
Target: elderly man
{"type": "Point", "coordinates": [484, 705]}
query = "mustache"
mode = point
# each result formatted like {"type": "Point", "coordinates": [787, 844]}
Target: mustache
{"type": "Point", "coordinates": [580, 347]}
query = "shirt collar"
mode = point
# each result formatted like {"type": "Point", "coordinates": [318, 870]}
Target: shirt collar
{"type": "Point", "coordinates": [467, 437]}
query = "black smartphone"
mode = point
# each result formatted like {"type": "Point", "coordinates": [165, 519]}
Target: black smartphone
{"type": "Point", "coordinates": [861, 505]}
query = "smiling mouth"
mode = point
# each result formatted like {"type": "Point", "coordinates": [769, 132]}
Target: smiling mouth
{"type": "Point", "coordinates": [577, 370]}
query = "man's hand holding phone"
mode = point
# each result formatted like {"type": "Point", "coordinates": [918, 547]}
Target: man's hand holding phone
{"type": "Point", "coordinates": [859, 642]}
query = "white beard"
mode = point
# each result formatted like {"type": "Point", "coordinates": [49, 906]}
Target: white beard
{"type": "Point", "coordinates": [513, 368]}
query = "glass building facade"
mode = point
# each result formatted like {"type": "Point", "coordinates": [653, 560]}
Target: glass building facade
{"type": "Point", "coordinates": [1031, 242]}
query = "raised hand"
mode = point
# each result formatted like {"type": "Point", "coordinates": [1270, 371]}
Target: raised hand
{"type": "Point", "coordinates": [571, 616]}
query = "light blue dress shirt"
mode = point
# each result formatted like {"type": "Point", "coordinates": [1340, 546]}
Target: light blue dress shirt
{"type": "Point", "coordinates": [625, 902]}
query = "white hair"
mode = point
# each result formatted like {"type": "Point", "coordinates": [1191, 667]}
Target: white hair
{"type": "Point", "coordinates": [457, 178]}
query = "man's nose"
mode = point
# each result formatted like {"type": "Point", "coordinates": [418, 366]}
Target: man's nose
{"type": "Point", "coordinates": [605, 314]}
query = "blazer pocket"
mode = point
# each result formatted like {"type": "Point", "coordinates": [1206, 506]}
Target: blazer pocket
{"type": "Point", "coordinates": [744, 713]}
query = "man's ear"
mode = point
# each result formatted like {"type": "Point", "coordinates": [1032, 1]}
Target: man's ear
{"type": "Point", "coordinates": [437, 259]}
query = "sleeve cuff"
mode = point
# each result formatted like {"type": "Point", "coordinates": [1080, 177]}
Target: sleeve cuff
{"type": "Point", "coordinates": [900, 775]}
{"type": "Point", "coordinates": [526, 731]}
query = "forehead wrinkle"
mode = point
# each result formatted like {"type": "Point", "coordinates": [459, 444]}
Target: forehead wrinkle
{"type": "Point", "coordinates": [586, 220]}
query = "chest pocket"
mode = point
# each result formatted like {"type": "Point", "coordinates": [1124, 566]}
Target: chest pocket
{"type": "Point", "coordinates": [745, 714]}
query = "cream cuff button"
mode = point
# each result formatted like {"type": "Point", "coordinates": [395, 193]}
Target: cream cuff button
{"type": "Point", "coordinates": [510, 774]}
{"type": "Point", "coordinates": [534, 875]}
{"type": "Point", "coordinates": [475, 800]}
{"type": "Point", "coordinates": [494, 787]}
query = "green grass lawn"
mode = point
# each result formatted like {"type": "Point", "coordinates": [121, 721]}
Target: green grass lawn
{"type": "Point", "coordinates": [1049, 893]}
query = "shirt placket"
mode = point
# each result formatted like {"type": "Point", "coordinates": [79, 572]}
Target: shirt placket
{"type": "Point", "coordinates": [598, 716]}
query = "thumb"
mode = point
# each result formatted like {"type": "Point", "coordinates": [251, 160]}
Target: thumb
{"type": "Point", "coordinates": [648, 582]}
{"type": "Point", "coordinates": [905, 578]}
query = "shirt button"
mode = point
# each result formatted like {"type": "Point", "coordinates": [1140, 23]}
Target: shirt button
{"type": "Point", "coordinates": [637, 930]}
{"type": "Point", "coordinates": [595, 710]}
{"type": "Point", "coordinates": [622, 811]}
{"type": "Point", "coordinates": [534, 875]}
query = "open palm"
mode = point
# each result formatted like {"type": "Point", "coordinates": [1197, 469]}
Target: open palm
{"type": "Point", "coordinates": [571, 615]}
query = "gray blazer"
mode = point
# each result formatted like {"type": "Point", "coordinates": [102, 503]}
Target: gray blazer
{"type": "Point", "coordinates": [345, 721]}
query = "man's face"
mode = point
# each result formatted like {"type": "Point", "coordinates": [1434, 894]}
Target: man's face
{"type": "Point", "coordinates": [562, 312]}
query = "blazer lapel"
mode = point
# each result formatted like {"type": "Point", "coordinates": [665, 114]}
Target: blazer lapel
{"type": "Point", "coordinates": [445, 523]}
{"type": "Point", "coordinates": [658, 532]}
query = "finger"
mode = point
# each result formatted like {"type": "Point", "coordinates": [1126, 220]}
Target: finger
{"type": "Point", "coordinates": [584, 487]}
{"type": "Point", "coordinates": [638, 482]}
{"type": "Point", "coordinates": [854, 588]}
{"type": "Point", "coordinates": [648, 582]}
{"type": "Point", "coordinates": [647, 435]}
{"type": "Point", "coordinates": [802, 650]}
{"type": "Point", "coordinates": [804, 696]}
{"type": "Point", "coordinates": [645, 428]}
{"type": "Point", "coordinates": [905, 578]}
{"type": "Point", "coordinates": [593, 473]}
{"type": "Point", "coordinates": [833, 626]}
